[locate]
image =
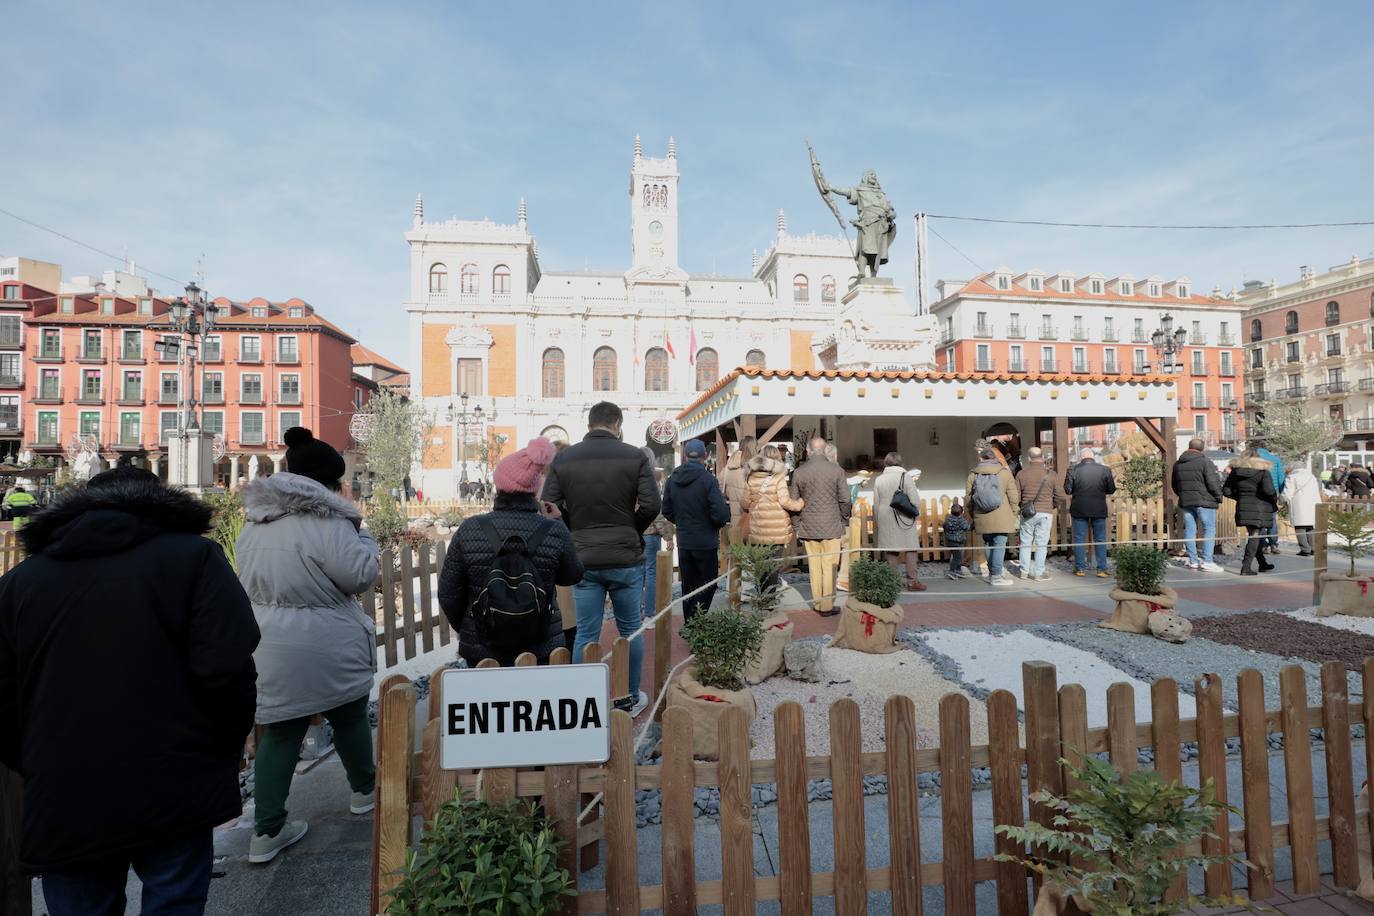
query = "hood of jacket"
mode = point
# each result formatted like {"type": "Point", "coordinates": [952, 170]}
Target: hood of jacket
{"type": "Point", "coordinates": [1258, 464]}
{"type": "Point", "coordinates": [688, 474]}
{"type": "Point", "coordinates": [735, 461]}
{"type": "Point", "coordinates": [762, 464]}
{"type": "Point", "coordinates": [271, 498]}
{"type": "Point", "coordinates": [88, 522]}
{"type": "Point", "coordinates": [1190, 456]}
{"type": "Point", "coordinates": [990, 466]}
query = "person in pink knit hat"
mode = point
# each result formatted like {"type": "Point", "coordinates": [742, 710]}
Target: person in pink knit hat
{"type": "Point", "coordinates": [485, 588]}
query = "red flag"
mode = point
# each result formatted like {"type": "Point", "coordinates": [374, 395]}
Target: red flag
{"type": "Point", "coordinates": [692, 347]}
{"type": "Point", "coordinates": [668, 343]}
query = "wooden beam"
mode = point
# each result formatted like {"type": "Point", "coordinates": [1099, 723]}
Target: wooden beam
{"type": "Point", "coordinates": [1169, 431]}
{"type": "Point", "coordinates": [746, 426]}
{"type": "Point", "coordinates": [1061, 445]}
{"type": "Point", "coordinates": [773, 430]}
{"type": "Point", "coordinates": [720, 455]}
{"type": "Point", "coordinates": [1152, 432]}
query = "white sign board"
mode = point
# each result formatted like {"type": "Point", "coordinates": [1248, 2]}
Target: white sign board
{"type": "Point", "coordinates": [543, 716]}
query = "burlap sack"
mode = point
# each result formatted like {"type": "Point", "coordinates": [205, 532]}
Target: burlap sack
{"type": "Point", "coordinates": [706, 705]}
{"type": "Point", "coordinates": [867, 627]}
{"type": "Point", "coordinates": [1132, 614]}
{"type": "Point", "coordinates": [1344, 595]}
{"type": "Point", "coordinates": [1170, 627]}
{"type": "Point", "coordinates": [1051, 901]}
{"type": "Point", "coordinates": [777, 633]}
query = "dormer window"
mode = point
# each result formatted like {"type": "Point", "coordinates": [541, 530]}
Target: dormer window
{"type": "Point", "coordinates": [1183, 291]}
{"type": "Point", "coordinates": [1127, 288]}
{"type": "Point", "coordinates": [1066, 284]}
{"type": "Point", "coordinates": [1095, 286]}
{"type": "Point", "coordinates": [107, 306]}
{"type": "Point", "coordinates": [1003, 281]}
{"type": "Point", "coordinates": [145, 306]}
{"type": "Point", "coordinates": [295, 311]}
{"type": "Point", "coordinates": [1035, 284]}
{"type": "Point", "coordinates": [259, 311]}
{"type": "Point", "coordinates": [1153, 290]}
{"type": "Point", "coordinates": [67, 305]}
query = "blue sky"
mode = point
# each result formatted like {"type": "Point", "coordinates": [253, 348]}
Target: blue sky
{"type": "Point", "coordinates": [286, 142]}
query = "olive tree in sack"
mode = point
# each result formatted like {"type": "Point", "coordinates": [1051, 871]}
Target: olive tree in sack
{"type": "Point", "coordinates": [1144, 604]}
{"type": "Point", "coordinates": [723, 643]}
{"type": "Point", "coordinates": [871, 615]}
{"type": "Point", "coordinates": [1345, 591]}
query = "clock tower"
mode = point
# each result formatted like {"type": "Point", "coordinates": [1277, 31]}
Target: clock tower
{"type": "Point", "coordinates": [653, 213]}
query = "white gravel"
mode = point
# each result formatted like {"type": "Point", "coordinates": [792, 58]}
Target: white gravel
{"type": "Point", "coordinates": [1362, 625]}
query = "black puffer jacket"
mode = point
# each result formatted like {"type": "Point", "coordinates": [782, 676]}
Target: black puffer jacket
{"type": "Point", "coordinates": [127, 683]}
{"type": "Point", "coordinates": [1358, 482]}
{"type": "Point", "coordinates": [693, 501]}
{"type": "Point", "coordinates": [468, 561]}
{"type": "Point", "coordinates": [1251, 485]}
{"type": "Point", "coordinates": [1089, 484]}
{"type": "Point", "coordinates": [1195, 481]}
{"type": "Point", "coordinates": [606, 492]}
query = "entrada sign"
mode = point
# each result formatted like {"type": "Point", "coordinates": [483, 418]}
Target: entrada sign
{"type": "Point", "coordinates": [504, 717]}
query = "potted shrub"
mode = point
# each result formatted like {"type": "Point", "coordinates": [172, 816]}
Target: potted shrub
{"type": "Point", "coordinates": [1119, 858]}
{"type": "Point", "coordinates": [1345, 591]}
{"type": "Point", "coordinates": [762, 593]}
{"type": "Point", "coordinates": [1140, 590]}
{"type": "Point", "coordinates": [476, 857]}
{"type": "Point", "coordinates": [723, 642]}
{"type": "Point", "coordinates": [870, 616]}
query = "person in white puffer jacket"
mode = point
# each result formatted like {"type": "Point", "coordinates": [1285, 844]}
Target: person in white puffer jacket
{"type": "Point", "coordinates": [1301, 493]}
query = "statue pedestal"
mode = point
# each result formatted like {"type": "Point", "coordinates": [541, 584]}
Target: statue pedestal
{"type": "Point", "coordinates": [191, 459]}
{"type": "Point", "coordinates": [876, 329]}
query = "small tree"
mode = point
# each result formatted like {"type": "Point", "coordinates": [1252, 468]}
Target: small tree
{"type": "Point", "coordinates": [1352, 527]}
{"type": "Point", "coordinates": [758, 566]}
{"type": "Point", "coordinates": [396, 433]}
{"type": "Point", "coordinates": [1142, 476]}
{"type": "Point", "coordinates": [724, 642]}
{"type": "Point", "coordinates": [1287, 430]}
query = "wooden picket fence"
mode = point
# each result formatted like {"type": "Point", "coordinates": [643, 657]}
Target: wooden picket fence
{"type": "Point", "coordinates": [11, 553]}
{"type": "Point", "coordinates": [411, 788]}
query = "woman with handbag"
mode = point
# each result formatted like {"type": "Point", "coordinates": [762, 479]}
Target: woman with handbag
{"type": "Point", "coordinates": [896, 511]}
{"type": "Point", "coordinates": [767, 503]}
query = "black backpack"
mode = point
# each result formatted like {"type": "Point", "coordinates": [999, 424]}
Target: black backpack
{"type": "Point", "coordinates": [512, 607]}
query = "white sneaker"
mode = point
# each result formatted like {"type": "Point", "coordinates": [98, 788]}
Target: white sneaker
{"type": "Point", "coordinates": [952, 575]}
{"type": "Point", "coordinates": [263, 849]}
{"type": "Point", "coordinates": [634, 709]}
{"type": "Point", "coordinates": [1003, 580]}
{"type": "Point", "coordinates": [361, 803]}
{"type": "Point", "coordinates": [1044, 577]}
{"type": "Point", "coordinates": [1209, 567]}
{"type": "Point", "coordinates": [964, 572]}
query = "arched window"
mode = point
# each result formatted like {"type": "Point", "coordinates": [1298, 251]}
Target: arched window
{"type": "Point", "coordinates": [1256, 332]}
{"type": "Point", "coordinates": [827, 289]}
{"type": "Point", "coordinates": [500, 281]}
{"type": "Point", "coordinates": [468, 280]}
{"type": "Point", "coordinates": [603, 369]}
{"type": "Point", "coordinates": [1371, 305]}
{"type": "Point", "coordinates": [801, 290]}
{"type": "Point", "coordinates": [1333, 313]}
{"type": "Point", "coordinates": [1290, 323]}
{"type": "Point", "coordinates": [708, 368]}
{"type": "Point", "coordinates": [438, 278]}
{"type": "Point", "coordinates": [754, 359]}
{"type": "Point", "coordinates": [656, 370]}
{"type": "Point", "coordinates": [553, 373]}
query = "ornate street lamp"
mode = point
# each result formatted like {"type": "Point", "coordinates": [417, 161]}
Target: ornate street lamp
{"type": "Point", "coordinates": [1168, 342]}
{"type": "Point", "coordinates": [192, 317]}
{"type": "Point", "coordinates": [463, 417]}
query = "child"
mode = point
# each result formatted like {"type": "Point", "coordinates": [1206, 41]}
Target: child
{"type": "Point", "coordinates": [956, 530]}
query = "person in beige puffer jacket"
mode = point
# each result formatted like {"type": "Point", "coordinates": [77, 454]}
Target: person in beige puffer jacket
{"type": "Point", "coordinates": [768, 501]}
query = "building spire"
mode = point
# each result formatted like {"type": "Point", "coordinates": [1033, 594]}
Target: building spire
{"type": "Point", "coordinates": [522, 211]}
{"type": "Point", "coordinates": [639, 147]}
{"type": "Point", "coordinates": [782, 223]}
{"type": "Point", "coordinates": [419, 210]}
{"type": "Point", "coordinates": [672, 148]}
{"type": "Point", "coordinates": [754, 260]}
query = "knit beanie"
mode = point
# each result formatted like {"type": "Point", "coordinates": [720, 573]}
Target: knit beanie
{"type": "Point", "coordinates": [309, 457]}
{"type": "Point", "coordinates": [520, 472]}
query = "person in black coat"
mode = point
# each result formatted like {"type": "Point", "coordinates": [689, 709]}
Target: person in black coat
{"type": "Point", "coordinates": [1251, 485]}
{"type": "Point", "coordinates": [1198, 486]}
{"type": "Point", "coordinates": [1358, 482]}
{"type": "Point", "coordinates": [693, 501]}
{"type": "Point", "coordinates": [1089, 484]}
{"type": "Point", "coordinates": [127, 688]}
{"type": "Point", "coordinates": [474, 548]}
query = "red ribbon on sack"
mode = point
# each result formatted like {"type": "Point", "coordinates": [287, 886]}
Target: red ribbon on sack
{"type": "Point", "coordinates": [780, 626]}
{"type": "Point", "coordinates": [1155, 608]}
{"type": "Point", "coordinates": [869, 620]}
{"type": "Point", "coordinates": [710, 698]}
{"type": "Point", "coordinates": [1364, 587]}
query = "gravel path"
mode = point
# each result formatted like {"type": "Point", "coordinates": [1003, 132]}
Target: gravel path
{"type": "Point", "coordinates": [1345, 622]}
{"type": "Point", "coordinates": [1284, 634]}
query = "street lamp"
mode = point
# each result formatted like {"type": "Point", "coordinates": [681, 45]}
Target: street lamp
{"type": "Point", "coordinates": [1168, 342]}
{"type": "Point", "coordinates": [463, 417]}
{"type": "Point", "coordinates": [192, 317]}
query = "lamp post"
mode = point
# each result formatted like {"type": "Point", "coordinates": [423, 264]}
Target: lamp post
{"type": "Point", "coordinates": [1168, 342]}
{"type": "Point", "coordinates": [463, 417]}
{"type": "Point", "coordinates": [192, 317]}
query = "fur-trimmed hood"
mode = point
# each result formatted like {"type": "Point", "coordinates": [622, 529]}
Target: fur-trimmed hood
{"type": "Point", "coordinates": [90, 521]}
{"type": "Point", "coordinates": [762, 464]}
{"type": "Point", "coordinates": [1258, 464]}
{"type": "Point", "coordinates": [271, 498]}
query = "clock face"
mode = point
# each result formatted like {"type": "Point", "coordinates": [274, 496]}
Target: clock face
{"type": "Point", "coordinates": [656, 229]}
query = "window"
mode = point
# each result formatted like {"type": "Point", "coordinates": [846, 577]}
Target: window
{"type": "Point", "coordinates": [1096, 287]}
{"type": "Point", "coordinates": [1138, 331]}
{"type": "Point", "coordinates": [1228, 426]}
{"type": "Point", "coordinates": [949, 360]}
{"type": "Point", "coordinates": [1200, 423]}
{"type": "Point", "coordinates": [1017, 360]}
{"type": "Point", "coordinates": [1290, 323]}
{"type": "Point", "coordinates": [167, 425]}
{"type": "Point", "coordinates": [1371, 304]}
{"type": "Point", "coordinates": [11, 292]}
{"type": "Point", "coordinates": [130, 432]}
{"type": "Point", "coordinates": [1256, 331]}
{"type": "Point", "coordinates": [1127, 288]}
{"type": "Point", "coordinates": [287, 351]}
{"type": "Point", "coordinates": [358, 399]}
{"type": "Point", "coordinates": [1109, 328]}
{"type": "Point", "coordinates": [1047, 359]}
{"type": "Point", "coordinates": [133, 387]}
{"type": "Point", "coordinates": [1199, 364]}
{"type": "Point", "coordinates": [132, 347]}
{"type": "Point", "coordinates": [1080, 359]}
{"type": "Point", "coordinates": [212, 421]}
{"type": "Point", "coordinates": [250, 349]}
{"type": "Point", "coordinates": [708, 368]}
{"type": "Point", "coordinates": [9, 412]}
{"type": "Point", "coordinates": [50, 384]}
{"type": "Point", "coordinates": [1153, 290]}
{"type": "Point", "coordinates": [1183, 291]}
{"type": "Point", "coordinates": [438, 278]}
{"type": "Point", "coordinates": [1292, 351]}
{"type": "Point", "coordinates": [468, 279]}
{"type": "Point", "coordinates": [169, 391]}
{"type": "Point", "coordinates": [1225, 334]}
{"type": "Point", "coordinates": [1141, 364]}
{"type": "Point", "coordinates": [67, 305]}
{"type": "Point", "coordinates": [295, 311]}
{"type": "Point", "coordinates": [47, 427]}
{"type": "Point", "coordinates": [1109, 359]}
{"type": "Point", "coordinates": [250, 428]}
{"type": "Point", "coordinates": [1226, 367]}
{"type": "Point", "coordinates": [1046, 325]}
{"type": "Point", "coordinates": [801, 290]}
{"type": "Point", "coordinates": [1228, 393]}
{"type": "Point", "coordinates": [1295, 381]}
{"type": "Point", "coordinates": [1334, 376]}
{"type": "Point", "coordinates": [285, 420]}
{"type": "Point", "coordinates": [470, 377]}
{"type": "Point", "coordinates": [91, 388]}
{"type": "Point", "coordinates": [11, 328]}
{"type": "Point", "coordinates": [984, 358]}
{"type": "Point", "coordinates": [553, 374]}
{"type": "Point", "coordinates": [827, 289]}
{"type": "Point", "coordinates": [1333, 313]}
{"type": "Point", "coordinates": [1078, 331]}
{"type": "Point", "coordinates": [90, 344]}
{"type": "Point", "coordinates": [89, 423]}
{"type": "Point", "coordinates": [983, 329]}
{"type": "Point", "coordinates": [250, 388]}
{"type": "Point", "coordinates": [10, 368]}
{"type": "Point", "coordinates": [213, 351]}
{"type": "Point", "coordinates": [603, 369]}
{"type": "Point", "coordinates": [1256, 359]}
{"type": "Point", "coordinates": [1333, 345]}
{"type": "Point", "coordinates": [500, 280]}
{"type": "Point", "coordinates": [145, 306]}
{"type": "Point", "coordinates": [1035, 284]}
{"type": "Point", "coordinates": [50, 344]}
{"type": "Point", "coordinates": [1065, 285]}
{"type": "Point", "coordinates": [1199, 394]}
{"type": "Point", "coordinates": [259, 311]}
{"type": "Point", "coordinates": [107, 306]}
{"type": "Point", "coordinates": [289, 389]}
{"type": "Point", "coordinates": [1003, 281]}
{"type": "Point", "coordinates": [754, 359]}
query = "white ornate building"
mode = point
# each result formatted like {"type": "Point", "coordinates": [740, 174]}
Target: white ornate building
{"type": "Point", "coordinates": [535, 349]}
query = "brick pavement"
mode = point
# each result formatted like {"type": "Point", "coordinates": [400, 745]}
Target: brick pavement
{"type": "Point", "coordinates": [1328, 900]}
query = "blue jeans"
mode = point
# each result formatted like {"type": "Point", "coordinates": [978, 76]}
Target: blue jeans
{"type": "Point", "coordinates": [653, 543]}
{"type": "Point", "coordinates": [625, 585]}
{"type": "Point", "coordinates": [1194, 516]}
{"type": "Point", "coordinates": [1080, 542]}
{"type": "Point", "coordinates": [994, 550]}
{"type": "Point", "coordinates": [1035, 532]}
{"type": "Point", "coordinates": [175, 875]}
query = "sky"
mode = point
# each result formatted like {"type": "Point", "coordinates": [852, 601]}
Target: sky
{"type": "Point", "coordinates": [279, 147]}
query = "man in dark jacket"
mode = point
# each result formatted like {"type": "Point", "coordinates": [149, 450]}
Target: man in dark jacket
{"type": "Point", "coordinates": [127, 632]}
{"type": "Point", "coordinates": [824, 519]}
{"type": "Point", "coordinates": [694, 503]}
{"type": "Point", "coordinates": [1089, 484]}
{"type": "Point", "coordinates": [605, 491]}
{"type": "Point", "coordinates": [1197, 485]}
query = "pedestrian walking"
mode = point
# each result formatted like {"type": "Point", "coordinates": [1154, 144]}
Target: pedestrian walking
{"type": "Point", "coordinates": [124, 634]}
{"type": "Point", "coordinates": [605, 490]}
{"type": "Point", "coordinates": [993, 498]}
{"type": "Point", "coordinates": [955, 531]}
{"type": "Point", "coordinates": [1252, 487]}
{"type": "Point", "coordinates": [19, 504]}
{"type": "Point", "coordinates": [1271, 539]}
{"type": "Point", "coordinates": [1041, 492]}
{"type": "Point", "coordinates": [768, 504]}
{"type": "Point", "coordinates": [302, 556]}
{"type": "Point", "coordinates": [1358, 481]}
{"type": "Point", "coordinates": [820, 484]}
{"type": "Point", "coordinates": [693, 502]}
{"type": "Point", "coordinates": [498, 584]}
{"type": "Point", "coordinates": [1302, 493]}
{"type": "Point", "coordinates": [898, 531]}
{"type": "Point", "coordinates": [1197, 485]}
{"type": "Point", "coordinates": [1089, 484]}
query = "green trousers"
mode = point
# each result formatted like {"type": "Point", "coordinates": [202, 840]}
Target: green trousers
{"type": "Point", "coordinates": [280, 749]}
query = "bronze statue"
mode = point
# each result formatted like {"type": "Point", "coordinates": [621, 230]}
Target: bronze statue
{"type": "Point", "coordinates": [877, 220]}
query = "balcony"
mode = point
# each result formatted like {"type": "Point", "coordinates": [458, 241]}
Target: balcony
{"type": "Point", "coordinates": [982, 330]}
{"type": "Point", "coordinates": [1197, 340]}
{"type": "Point", "coordinates": [132, 358]}
{"type": "Point", "coordinates": [130, 399]}
{"type": "Point", "coordinates": [981, 365]}
{"type": "Point", "coordinates": [1140, 337]}
{"type": "Point", "coordinates": [1111, 369]}
{"type": "Point", "coordinates": [1360, 425]}
{"type": "Point", "coordinates": [11, 341]}
{"type": "Point", "coordinates": [1141, 369]}
{"type": "Point", "coordinates": [48, 395]}
{"type": "Point", "coordinates": [90, 398]}
{"type": "Point", "coordinates": [1016, 365]}
{"type": "Point", "coordinates": [1110, 336]}
{"type": "Point", "coordinates": [1226, 340]}
{"type": "Point", "coordinates": [294, 400]}
{"type": "Point", "coordinates": [1049, 365]}
{"type": "Point", "coordinates": [1367, 384]}
{"type": "Point", "coordinates": [169, 398]}
{"type": "Point", "coordinates": [11, 426]}
{"type": "Point", "coordinates": [1082, 368]}
{"type": "Point", "coordinates": [129, 441]}
{"type": "Point", "coordinates": [1202, 403]}
{"type": "Point", "coordinates": [91, 357]}
{"type": "Point", "coordinates": [1016, 331]}
{"type": "Point", "coordinates": [946, 336]}
{"type": "Point", "coordinates": [293, 357]}
{"type": "Point", "coordinates": [212, 356]}
{"type": "Point", "coordinates": [1048, 332]}
{"type": "Point", "coordinates": [250, 357]}
{"type": "Point", "coordinates": [1291, 394]}
{"type": "Point", "coordinates": [1332, 390]}
{"type": "Point", "coordinates": [254, 398]}
{"type": "Point", "coordinates": [212, 397]}
{"type": "Point", "coordinates": [1199, 369]}
{"type": "Point", "coordinates": [251, 439]}
{"type": "Point", "coordinates": [1256, 397]}
{"type": "Point", "coordinates": [48, 355]}
{"type": "Point", "coordinates": [1227, 371]}
{"type": "Point", "coordinates": [1078, 334]}
{"type": "Point", "coordinates": [11, 381]}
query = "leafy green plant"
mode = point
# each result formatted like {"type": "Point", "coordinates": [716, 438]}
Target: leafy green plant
{"type": "Point", "coordinates": [758, 566]}
{"type": "Point", "coordinates": [1142, 476]}
{"type": "Point", "coordinates": [1119, 836]}
{"type": "Point", "coordinates": [227, 523]}
{"type": "Point", "coordinates": [874, 581]}
{"type": "Point", "coordinates": [1351, 526]}
{"type": "Point", "coordinates": [386, 522]}
{"type": "Point", "coordinates": [724, 642]}
{"type": "Point", "coordinates": [1140, 568]}
{"type": "Point", "coordinates": [477, 857]}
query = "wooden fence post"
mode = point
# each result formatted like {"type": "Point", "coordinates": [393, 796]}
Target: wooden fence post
{"type": "Point", "coordinates": [1319, 558]}
{"type": "Point", "coordinates": [794, 825]}
{"type": "Point", "coordinates": [1254, 757]}
{"type": "Point", "coordinates": [847, 805]}
{"type": "Point", "coordinates": [1297, 767]}
{"type": "Point", "coordinates": [1211, 762]}
{"type": "Point", "coordinates": [392, 830]}
{"type": "Point", "coordinates": [903, 805]}
{"type": "Point", "coordinates": [622, 854]}
{"type": "Point", "coordinates": [1004, 746]}
{"type": "Point", "coordinates": [1340, 778]}
{"type": "Point", "coordinates": [736, 815]}
{"type": "Point", "coordinates": [956, 805]}
{"type": "Point", "coordinates": [677, 834]}
{"type": "Point", "coordinates": [1042, 741]}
